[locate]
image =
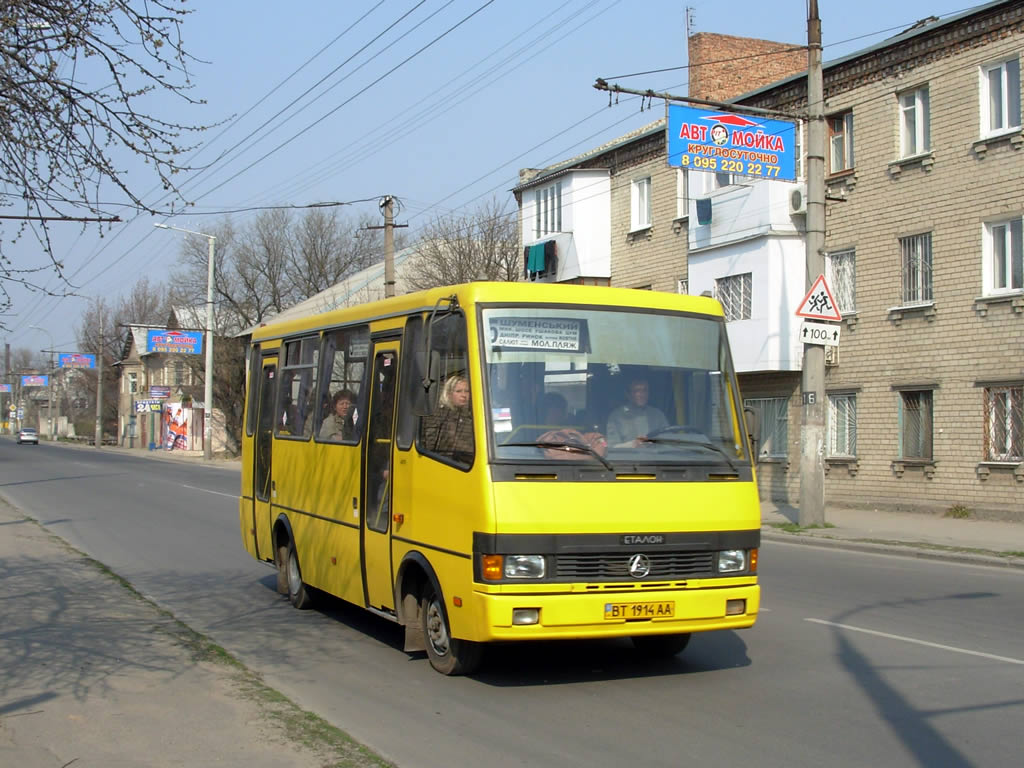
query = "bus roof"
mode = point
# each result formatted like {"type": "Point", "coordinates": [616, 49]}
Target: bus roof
{"type": "Point", "coordinates": [482, 292]}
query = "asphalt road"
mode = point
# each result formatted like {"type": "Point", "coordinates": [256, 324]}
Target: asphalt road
{"type": "Point", "coordinates": [857, 659]}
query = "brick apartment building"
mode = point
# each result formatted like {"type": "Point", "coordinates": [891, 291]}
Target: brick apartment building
{"type": "Point", "coordinates": [925, 163]}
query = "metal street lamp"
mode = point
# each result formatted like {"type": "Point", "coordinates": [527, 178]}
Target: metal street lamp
{"type": "Point", "coordinates": [208, 394]}
{"type": "Point", "coordinates": [49, 386]}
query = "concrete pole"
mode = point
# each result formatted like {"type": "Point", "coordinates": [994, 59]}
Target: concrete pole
{"type": "Point", "coordinates": [99, 389]}
{"type": "Point", "coordinates": [812, 437]}
{"type": "Point", "coordinates": [208, 393]}
{"type": "Point", "coordinates": [389, 247]}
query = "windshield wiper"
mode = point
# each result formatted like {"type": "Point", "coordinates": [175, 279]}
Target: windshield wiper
{"type": "Point", "coordinates": [563, 445]}
{"type": "Point", "coordinates": [699, 443]}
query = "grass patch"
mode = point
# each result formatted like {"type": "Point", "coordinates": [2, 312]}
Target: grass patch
{"type": "Point", "coordinates": [797, 528]}
{"type": "Point", "coordinates": [958, 511]}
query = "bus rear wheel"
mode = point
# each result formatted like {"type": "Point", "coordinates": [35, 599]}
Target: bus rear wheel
{"type": "Point", "coordinates": [298, 592]}
{"type": "Point", "coordinates": [660, 646]}
{"type": "Point", "coordinates": [447, 655]}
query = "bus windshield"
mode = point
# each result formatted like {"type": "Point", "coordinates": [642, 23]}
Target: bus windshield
{"type": "Point", "coordinates": [610, 385]}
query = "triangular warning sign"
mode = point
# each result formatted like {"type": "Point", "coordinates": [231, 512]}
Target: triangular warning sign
{"type": "Point", "coordinates": [818, 304]}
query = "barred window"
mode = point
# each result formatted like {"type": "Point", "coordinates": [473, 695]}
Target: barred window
{"type": "Point", "coordinates": [1004, 416]}
{"type": "Point", "coordinates": [842, 425]}
{"type": "Point", "coordinates": [917, 268]}
{"type": "Point", "coordinates": [842, 276]}
{"type": "Point", "coordinates": [734, 293]}
{"type": "Point", "coordinates": [773, 417]}
{"type": "Point", "coordinates": [916, 424]}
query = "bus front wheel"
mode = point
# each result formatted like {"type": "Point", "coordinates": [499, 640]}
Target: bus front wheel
{"type": "Point", "coordinates": [298, 592]}
{"type": "Point", "coordinates": [447, 655]}
{"type": "Point", "coordinates": [660, 646]}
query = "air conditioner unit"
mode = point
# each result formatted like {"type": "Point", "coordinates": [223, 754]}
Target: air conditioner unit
{"type": "Point", "coordinates": [798, 200]}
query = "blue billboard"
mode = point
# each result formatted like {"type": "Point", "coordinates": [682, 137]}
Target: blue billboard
{"type": "Point", "coordinates": [35, 380]}
{"type": "Point", "coordinates": [181, 342]}
{"type": "Point", "coordinates": [75, 360]}
{"type": "Point", "coordinates": [726, 142]}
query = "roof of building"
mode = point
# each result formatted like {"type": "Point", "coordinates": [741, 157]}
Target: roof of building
{"type": "Point", "coordinates": [922, 27]}
{"type": "Point", "coordinates": [918, 29]}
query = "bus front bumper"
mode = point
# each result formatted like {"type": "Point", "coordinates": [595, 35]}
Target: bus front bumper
{"type": "Point", "coordinates": [608, 613]}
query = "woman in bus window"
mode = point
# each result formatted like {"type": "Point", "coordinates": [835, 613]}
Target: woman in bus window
{"type": "Point", "coordinates": [449, 430]}
{"type": "Point", "coordinates": [339, 426]}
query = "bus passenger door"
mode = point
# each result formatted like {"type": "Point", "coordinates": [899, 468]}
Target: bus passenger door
{"type": "Point", "coordinates": [262, 449]}
{"type": "Point", "coordinates": [376, 533]}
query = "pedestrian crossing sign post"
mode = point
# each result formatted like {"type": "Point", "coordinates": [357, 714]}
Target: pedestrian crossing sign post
{"type": "Point", "coordinates": [818, 304]}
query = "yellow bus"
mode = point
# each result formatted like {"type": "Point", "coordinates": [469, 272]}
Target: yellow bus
{"type": "Point", "coordinates": [495, 462]}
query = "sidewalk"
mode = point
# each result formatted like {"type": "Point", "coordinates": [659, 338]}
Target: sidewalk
{"type": "Point", "coordinates": [95, 676]}
{"type": "Point", "coordinates": [988, 542]}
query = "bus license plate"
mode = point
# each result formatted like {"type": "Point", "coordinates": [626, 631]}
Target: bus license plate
{"type": "Point", "coordinates": [634, 611]}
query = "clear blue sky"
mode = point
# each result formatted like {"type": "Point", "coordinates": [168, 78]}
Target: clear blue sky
{"type": "Point", "coordinates": [509, 88]}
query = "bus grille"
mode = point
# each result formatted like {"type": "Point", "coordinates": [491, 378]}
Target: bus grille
{"type": "Point", "coordinates": [604, 566]}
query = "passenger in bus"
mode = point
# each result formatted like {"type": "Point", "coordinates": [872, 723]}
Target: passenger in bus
{"type": "Point", "coordinates": [449, 430]}
{"type": "Point", "coordinates": [554, 410]}
{"type": "Point", "coordinates": [629, 424]}
{"type": "Point", "coordinates": [339, 424]}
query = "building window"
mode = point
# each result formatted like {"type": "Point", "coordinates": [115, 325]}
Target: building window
{"type": "Point", "coordinates": [179, 373]}
{"type": "Point", "coordinates": [916, 424]}
{"type": "Point", "coordinates": [734, 293]}
{"type": "Point", "coordinates": [683, 286]}
{"type": "Point", "coordinates": [842, 277]}
{"type": "Point", "coordinates": [133, 383]}
{"type": "Point", "coordinates": [682, 199]}
{"type": "Point", "coordinates": [773, 418]}
{"type": "Point", "coordinates": [842, 425]}
{"type": "Point", "coordinates": [1003, 269]}
{"type": "Point", "coordinates": [917, 268]}
{"type": "Point", "coordinates": [1004, 415]}
{"type": "Point", "coordinates": [640, 204]}
{"type": "Point", "coordinates": [722, 180]}
{"type": "Point", "coordinates": [840, 140]}
{"type": "Point", "coordinates": [547, 216]}
{"type": "Point", "coordinates": [1000, 96]}
{"type": "Point", "coordinates": [915, 131]}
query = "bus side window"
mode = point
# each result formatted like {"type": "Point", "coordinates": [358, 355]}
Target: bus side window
{"type": "Point", "coordinates": [447, 431]}
{"type": "Point", "coordinates": [296, 387]}
{"type": "Point", "coordinates": [412, 396]}
{"type": "Point", "coordinates": [343, 368]}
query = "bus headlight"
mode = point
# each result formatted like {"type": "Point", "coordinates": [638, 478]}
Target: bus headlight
{"type": "Point", "coordinates": [732, 560]}
{"type": "Point", "coordinates": [524, 567]}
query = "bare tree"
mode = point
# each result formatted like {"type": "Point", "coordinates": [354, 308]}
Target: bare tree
{"type": "Point", "coordinates": [481, 245]}
{"type": "Point", "coordinates": [64, 142]}
{"type": "Point", "coordinates": [146, 304]}
{"type": "Point", "coordinates": [97, 335]}
{"type": "Point", "coordinates": [329, 249]}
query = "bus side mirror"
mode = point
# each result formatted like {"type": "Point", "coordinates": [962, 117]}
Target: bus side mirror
{"type": "Point", "coordinates": [750, 416]}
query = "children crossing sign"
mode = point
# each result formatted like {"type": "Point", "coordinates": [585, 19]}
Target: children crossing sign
{"type": "Point", "coordinates": [818, 304]}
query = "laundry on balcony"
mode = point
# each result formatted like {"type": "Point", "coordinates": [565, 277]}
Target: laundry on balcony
{"type": "Point", "coordinates": [540, 259]}
{"type": "Point", "coordinates": [704, 210]}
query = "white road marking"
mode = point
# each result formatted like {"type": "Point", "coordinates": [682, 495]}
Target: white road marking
{"type": "Point", "coordinates": [1007, 659]}
{"type": "Point", "coordinates": [215, 493]}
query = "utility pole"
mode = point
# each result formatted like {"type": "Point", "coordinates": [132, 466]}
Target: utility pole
{"type": "Point", "coordinates": [387, 206]}
{"type": "Point", "coordinates": [99, 388]}
{"type": "Point", "coordinates": [812, 425]}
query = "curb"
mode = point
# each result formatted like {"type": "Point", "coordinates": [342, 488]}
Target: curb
{"type": "Point", "coordinates": [899, 548]}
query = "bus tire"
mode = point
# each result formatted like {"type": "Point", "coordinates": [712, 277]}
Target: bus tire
{"type": "Point", "coordinates": [282, 570]}
{"type": "Point", "coordinates": [660, 646]}
{"type": "Point", "coordinates": [447, 655]}
{"type": "Point", "coordinates": [298, 592]}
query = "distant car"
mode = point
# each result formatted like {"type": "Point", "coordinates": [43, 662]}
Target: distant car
{"type": "Point", "coordinates": [28, 435]}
